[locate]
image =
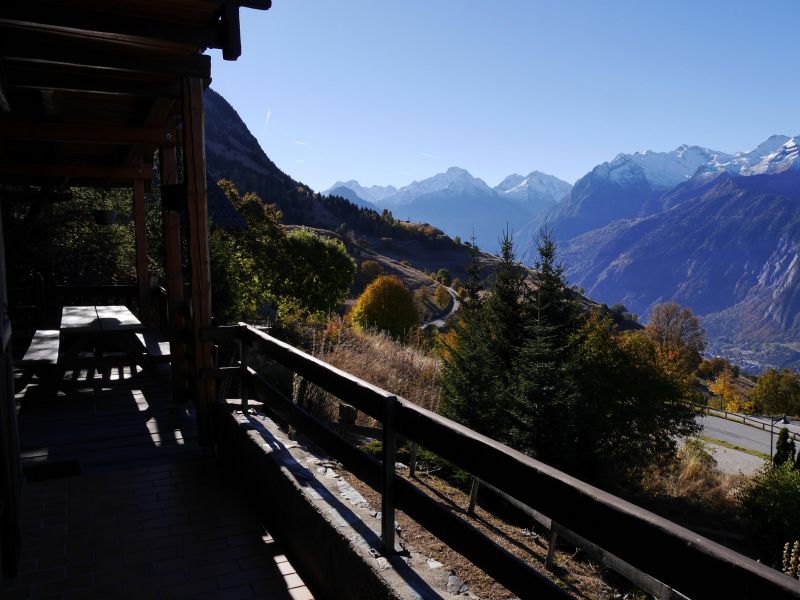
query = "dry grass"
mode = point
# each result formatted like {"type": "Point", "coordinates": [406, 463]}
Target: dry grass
{"type": "Point", "coordinates": [407, 371]}
{"type": "Point", "coordinates": [694, 485]}
{"type": "Point", "coordinates": [580, 577]}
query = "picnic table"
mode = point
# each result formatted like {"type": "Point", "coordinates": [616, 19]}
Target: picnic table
{"type": "Point", "coordinates": [93, 337]}
{"type": "Point", "coordinates": [99, 329]}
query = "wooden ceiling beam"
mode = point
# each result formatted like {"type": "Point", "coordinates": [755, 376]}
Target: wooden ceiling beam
{"type": "Point", "coordinates": [256, 4]}
{"type": "Point", "coordinates": [56, 15]}
{"type": "Point", "coordinates": [117, 174]}
{"type": "Point", "coordinates": [61, 80]}
{"type": "Point", "coordinates": [158, 114]}
{"type": "Point", "coordinates": [47, 47]}
{"type": "Point", "coordinates": [90, 133]}
{"type": "Point", "coordinates": [232, 48]}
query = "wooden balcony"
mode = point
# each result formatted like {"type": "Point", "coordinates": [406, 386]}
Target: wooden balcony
{"type": "Point", "coordinates": [121, 502]}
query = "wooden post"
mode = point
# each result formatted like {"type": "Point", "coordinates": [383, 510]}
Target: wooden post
{"type": "Point", "coordinates": [473, 495]}
{"type": "Point", "coordinates": [551, 550]}
{"type": "Point", "coordinates": [197, 242]}
{"type": "Point", "coordinates": [412, 460]}
{"type": "Point", "coordinates": [389, 455]}
{"type": "Point", "coordinates": [173, 275]}
{"type": "Point", "coordinates": [142, 271]}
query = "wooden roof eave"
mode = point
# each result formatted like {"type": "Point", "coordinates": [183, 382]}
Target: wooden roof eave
{"type": "Point", "coordinates": [89, 87]}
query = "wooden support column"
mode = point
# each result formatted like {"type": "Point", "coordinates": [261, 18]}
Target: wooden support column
{"type": "Point", "coordinates": [173, 274]}
{"type": "Point", "coordinates": [142, 270]}
{"type": "Point", "coordinates": [197, 242]}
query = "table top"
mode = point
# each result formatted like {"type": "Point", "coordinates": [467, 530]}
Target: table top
{"type": "Point", "coordinates": [98, 319]}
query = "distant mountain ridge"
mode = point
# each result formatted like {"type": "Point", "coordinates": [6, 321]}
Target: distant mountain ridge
{"type": "Point", "coordinates": [463, 205]}
{"type": "Point", "coordinates": [717, 232]}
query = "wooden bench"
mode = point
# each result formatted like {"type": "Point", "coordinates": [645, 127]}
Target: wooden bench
{"type": "Point", "coordinates": [43, 350]}
{"type": "Point", "coordinates": [41, 357]}
{"type": "Point", "coordinates": [157, 349]}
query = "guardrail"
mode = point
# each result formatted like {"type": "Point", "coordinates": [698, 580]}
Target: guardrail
{"type": "Point", "coordinates": [674, 555]}
{"type": "Point", "coordinates": [743, 419]}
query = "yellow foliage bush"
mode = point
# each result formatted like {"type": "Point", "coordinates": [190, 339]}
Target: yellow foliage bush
{"type": "Point", "coordinates": [386, 305]}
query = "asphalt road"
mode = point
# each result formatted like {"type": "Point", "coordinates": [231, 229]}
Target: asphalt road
{"type": "Point", "coordinates": [455, 304]}
{"type": "Point", "coordinates": [736, 433]}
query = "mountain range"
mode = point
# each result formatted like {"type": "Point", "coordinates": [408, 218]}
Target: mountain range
{"type": "Point", "coordinates": [717, 232]}
{"type": "Point", "coordinates": [463, 205]}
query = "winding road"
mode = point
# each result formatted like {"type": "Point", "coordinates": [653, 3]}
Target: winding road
{"type": "Point", "coordinates": [455, 304]}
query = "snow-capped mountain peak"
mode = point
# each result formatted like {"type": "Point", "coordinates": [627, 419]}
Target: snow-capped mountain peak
{"type": "Point", "coordinates": [661, 170]}
{"type": "Point", "coordinates": [374, 193]}
{"type": "Point", "coordinates": [535, 186]}
{"type": "Point", "coordinates": [774, 155]}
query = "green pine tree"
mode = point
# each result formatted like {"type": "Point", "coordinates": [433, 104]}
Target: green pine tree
{"type": "Point", "coordinates": [784, 448]}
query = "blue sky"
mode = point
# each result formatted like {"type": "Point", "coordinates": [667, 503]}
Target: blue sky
{"type": "Point", "coordinates": [390, 92]}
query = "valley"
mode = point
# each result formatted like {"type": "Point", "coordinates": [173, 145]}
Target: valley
{"type": "Point", "coordinates": [716, 232]}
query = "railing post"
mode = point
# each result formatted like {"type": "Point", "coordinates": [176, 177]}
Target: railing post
{"type": "Point", "coordinates": [551, 550]}
{"type": "Point", "coordinates": [412, 460]}
{"type": "Point", "coordinates": [473, 495]}
{"type": "Point", "coordinates": [389, 456]}
{"type": "Point", "coordinates": [244, 379]}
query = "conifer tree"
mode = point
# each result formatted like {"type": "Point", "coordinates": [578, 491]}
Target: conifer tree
{"type": "Point", "coordinates": [784, 448]}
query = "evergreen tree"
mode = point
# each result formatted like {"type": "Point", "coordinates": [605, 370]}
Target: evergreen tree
{"type": "Point", "coordinates": [784, 448]}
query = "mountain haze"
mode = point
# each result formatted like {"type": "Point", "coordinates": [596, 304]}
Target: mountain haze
{"type": "Point", "coordinates": [463, 205]}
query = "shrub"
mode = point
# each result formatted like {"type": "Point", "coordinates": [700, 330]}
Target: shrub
{"type": "Point", "coordinates": [771, 507]}
{"type": "Point", "coordinates": [386, 305]}
{"type": "Point", "coordinates": [443, 276]}
{"type": "Point", "coordinates": [441, 296]}
{"type": "Point", "coordinates": [368, 271]}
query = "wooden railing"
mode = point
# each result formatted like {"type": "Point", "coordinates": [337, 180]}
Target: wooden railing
{"type": "Point", "coordinates": [674, 555]}
{"type": "Point", "coordinates": [40, 305]}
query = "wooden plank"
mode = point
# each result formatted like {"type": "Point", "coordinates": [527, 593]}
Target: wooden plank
{"type": "Point", "coordinates": [142, 262]}
{"type": "Point", "coordinates": [79, 319]}
{"type": "Point", "coordinates": [197, 243]}
{"type": "Point", "coordinates": [116, 318]}
{"type": "Point", "coordinates": [136, 28]}
{"type": "Point", "coordinates": [115, 174]}
{"type": "Point", "coordinates": [56, 79]}
{"type": "Point", "coordinates": [61, 48]}
{"type": "Point", "coordinates": [388, 462]}
{"type": "Point", "coordinates": [43, 349]}
{"type": "Point", "coordinates": [89, 133]}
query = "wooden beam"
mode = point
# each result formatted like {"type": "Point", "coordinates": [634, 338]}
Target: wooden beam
{"type": "Point", "coordinates": [89, 133]}
{"type": "Point", "coordinates": [58, 47]}
{"type": "Point", "coordinates": [157, 115]}
{"type": "Point", "coordinates": [197, 242]}
{"type": "Point", "coordinates": [59, 79]}
{"type": "Point", "coordinates": [255, 4]}
{"type": "Point", "coordinates": [142, 263]}
{"type": "Point", "coordinates": [173, 276]}
{"type": "Point", "coordinates": [57, 15]}
{"type": "Point", "coordinates": [76, 171]}
{"type": "Point", "coordinates": [233, 37]}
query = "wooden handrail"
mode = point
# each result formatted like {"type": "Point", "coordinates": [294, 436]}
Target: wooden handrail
{"type": "Point", "coordinates": [682, 559]}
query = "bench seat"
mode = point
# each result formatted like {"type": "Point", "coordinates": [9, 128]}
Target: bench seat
{"type": "Point", "coordinates": [43, 350]}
